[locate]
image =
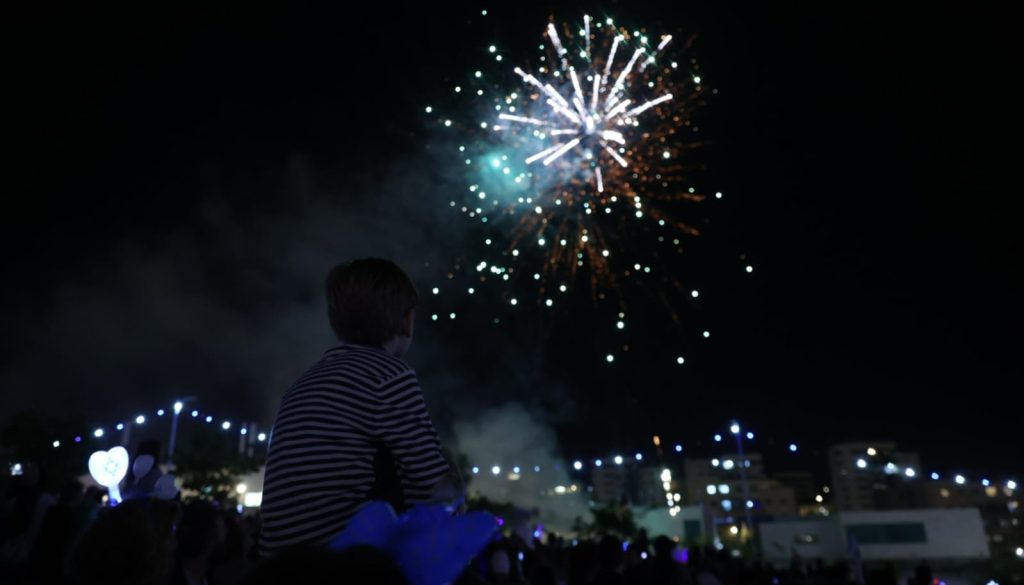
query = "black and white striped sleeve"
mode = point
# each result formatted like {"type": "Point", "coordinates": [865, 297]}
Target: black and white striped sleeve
{"type": "Point", "coordinates": [405, 427]}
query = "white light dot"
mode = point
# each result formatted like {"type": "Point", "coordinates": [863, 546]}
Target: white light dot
{"type": "Point", "coordinates": [680, 360]}
{"type": "Point", "coordinates": [435, 290]}
{"type": "Point", "coordinates": [261, 437]}
{"type": "Point", "coordinates": [495, 470]}
{"type": "Point", "coordinates": [447, 122]}
{"type": "Point", "coordinates": [97, 433]}
{"type": "Point", "coordinates": [140, 420]}
{"type": "Point", "coordinates": [707, 334]}
{"type": "Point", "coordinates": [597, 463]}
{"type": "Point", "coordinates": [696, 79]}
{"type": "Point", "coordinates": [451, 315]}
{"type": "Point", "coordinates": [960, 480]}
{"type": "Point", "coordinates": [666, 154]}
{"type": "Point", "coordinates": [514, 302]}
{"type": "Point", "coordinates": [718, 195]}
{"type": "Point", "coordinates": [492, 48]}
{"type": "Point", "coordinates": [433, 317]}
{"type": "Point", "coordinates": [225, 425]}
{"type": "Point", "coordinates": [618, 460]}
{"type": "Point", "coordinates": [609, 358]}
{"type": "Point", "coordinates": [577, 465]}
{"type": "Point", "coordinates": [478, 74]}
{"type": "Point", "coordinates": [562, 288]}
{"type": "Point", "coordinates": [540, 242]}
{"type": "Point", "coordinates": [861, 464]}
{"type": "Point", "coordinates": [429, 109]}
{"type": "Point", "coordinates": [56, 444]}
{"type": "Point", "coordinates": [695, 293]}
{"type": "Point", "coordinates": [749, 268]}
{"type": "Point", "coordinates": [620, 325]}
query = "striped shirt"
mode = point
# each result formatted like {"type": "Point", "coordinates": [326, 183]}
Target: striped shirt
{"type": "Point", "coordinates": [329, 427]}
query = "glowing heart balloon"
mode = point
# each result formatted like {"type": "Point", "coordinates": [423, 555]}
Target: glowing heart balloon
{"type": "Point", "coordinates": [108, 468]}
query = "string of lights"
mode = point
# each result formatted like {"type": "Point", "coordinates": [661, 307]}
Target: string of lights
{"type": "Point", "coordinates": [869, 462]}
{"type": "Point", "coordinates": [177, 409]}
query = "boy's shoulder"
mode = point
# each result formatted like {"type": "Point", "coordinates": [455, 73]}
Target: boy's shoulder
{"type": "Point", "coordinates": [385, 365]}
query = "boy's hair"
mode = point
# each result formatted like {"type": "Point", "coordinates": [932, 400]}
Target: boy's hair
{"type": "Point", "coordinates": [368, 299]}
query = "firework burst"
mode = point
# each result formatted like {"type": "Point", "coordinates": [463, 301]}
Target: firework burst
{"type": "Point", "coordinates": [580, 164]}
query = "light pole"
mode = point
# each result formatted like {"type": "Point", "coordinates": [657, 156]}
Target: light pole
{"type": "Point", "coordinates": [744, 485]}
{"type": "Point", "coordinates": [178, 406]}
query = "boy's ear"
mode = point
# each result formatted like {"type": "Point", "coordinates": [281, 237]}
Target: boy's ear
{"type": "Point", "coordinates": [406, 330]}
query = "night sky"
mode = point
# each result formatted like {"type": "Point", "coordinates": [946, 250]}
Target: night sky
{"type": "Point", "coordinates": [180, 182]}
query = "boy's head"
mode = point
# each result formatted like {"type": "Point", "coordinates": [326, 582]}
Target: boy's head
{"type": "Point", "coordinates": [370, 302]}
